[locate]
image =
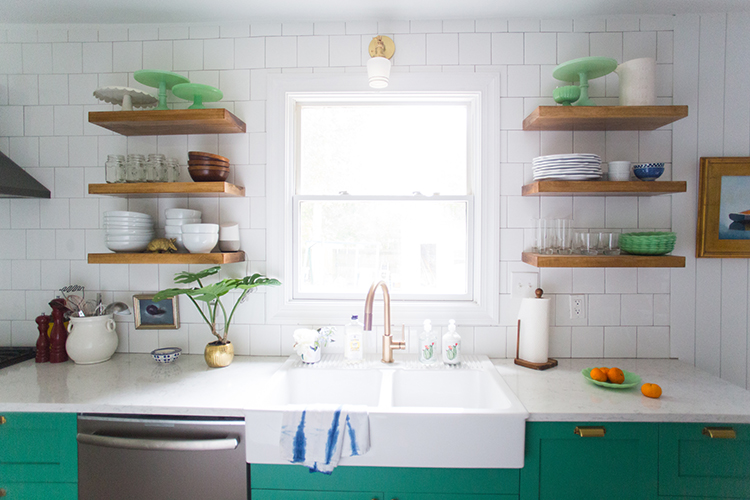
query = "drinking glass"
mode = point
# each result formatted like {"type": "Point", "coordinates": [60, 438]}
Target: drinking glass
{"type": "Point", "coordinates": [587, 243]}
{"type": "Point", "coordinates": [611, 246]}
{"type": "Point", "coordinates": [563, 236]}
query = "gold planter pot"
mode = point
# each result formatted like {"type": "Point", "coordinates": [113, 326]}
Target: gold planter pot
{"type": "Point", "coordinates": [218, 355]}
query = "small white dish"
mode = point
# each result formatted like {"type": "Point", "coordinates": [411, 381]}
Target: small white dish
{"type": "Point", "coordinates": [201, 228]}
{"type": "Point", "coordinates": [127, 246]}
{"type": "Point", "coordinates": [122, 213]}
{"type": "Point", "coordinates": [166, 354]}
{"type": "Point", "coordinates": [182, 222]}
{"type": "Point", "coordinates": [182, 213]}
{"type": "Point", "coordinates": [200, 242]}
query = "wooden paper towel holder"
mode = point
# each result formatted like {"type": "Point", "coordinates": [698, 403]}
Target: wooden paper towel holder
{"type": "Point", "coordinates": [551, 363]}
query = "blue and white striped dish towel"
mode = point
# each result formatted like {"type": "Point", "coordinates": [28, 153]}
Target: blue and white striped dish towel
{"type": "Point", "coordinates": [317, 436]}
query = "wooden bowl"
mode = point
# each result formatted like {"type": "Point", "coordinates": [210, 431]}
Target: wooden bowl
{"type": "Point", "coordinates": [200, 155]}
{"type": "Point", "coordinates": [206, 167]}
{"type": "Point", "coordinates": [208, 174]}
{"type": "Point", "coordinates": [198, 163]}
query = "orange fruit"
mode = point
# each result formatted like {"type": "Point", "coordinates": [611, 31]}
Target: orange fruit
{"type": "Point", "coordinates": [615, 376]}
{"type": "Point", "coordinates": [604, 369]}
{"type": "Point", "coordinates": [598, 374]}
{"type": "Point", "coordinates": [651, 390]}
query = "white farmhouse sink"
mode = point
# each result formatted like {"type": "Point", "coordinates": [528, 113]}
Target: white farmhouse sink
{"type": "Point", "coordinates": [437, 416]}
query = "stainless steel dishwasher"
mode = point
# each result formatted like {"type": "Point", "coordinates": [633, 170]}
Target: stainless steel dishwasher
{"type": "Point", "coordinates": [143, 456]}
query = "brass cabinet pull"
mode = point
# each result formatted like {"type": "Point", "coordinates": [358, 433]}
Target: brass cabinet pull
{"type": "Point", "coordinates": [2, 420]}
{"type": "Point", "coordinates": [590, 431]}
{"type": "Point", "coordinates": [720, 432]}
{"type": "Point", "coordinates": [3, 492]}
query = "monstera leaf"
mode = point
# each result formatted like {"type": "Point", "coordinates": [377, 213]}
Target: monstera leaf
{"type": "Point", "coordinates": [186, 277]}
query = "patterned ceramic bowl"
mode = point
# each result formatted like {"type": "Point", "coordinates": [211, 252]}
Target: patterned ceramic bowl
{"type": "Point", "coordinates": [648, 171]}
{"type": "Point", "coordinates": [166, 354]}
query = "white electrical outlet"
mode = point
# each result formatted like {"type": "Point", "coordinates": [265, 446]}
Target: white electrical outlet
{"type": "Point", "coordinates": [577, 307]}
{"type": "Point", "coordinates": [523, 285]}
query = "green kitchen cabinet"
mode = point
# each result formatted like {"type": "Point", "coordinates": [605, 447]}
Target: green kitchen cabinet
{"type": "Point", "coordinates": [612, 460]}
{"type": "Point", "coordinates": [704, 460]}
{"type": "Point", "coordinates": [38, 455]}
{"type": "Point", "coordinates": [281, 482]}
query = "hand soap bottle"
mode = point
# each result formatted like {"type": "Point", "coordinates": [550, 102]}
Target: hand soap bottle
{"type": "Point", "coordinates": [427, 340]}
{"type": "Point", "coordinates": [451, 345]}
{"type": "Point", "coordinates": [353, 340]}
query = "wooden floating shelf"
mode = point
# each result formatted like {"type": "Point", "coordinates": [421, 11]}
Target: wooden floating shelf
{"type": "Point", "coordinates": [166, 258]}
{"type": "Point", "coordinates": [603, 117]}
{"type": "Point", "coordinates": [539, 260]}
{"type": "Point", "coordinates": [603, 188]}
{"type": "Point", "coordinates": [167, 189]}
{"type": "Point", "coordinates": [169, 122]}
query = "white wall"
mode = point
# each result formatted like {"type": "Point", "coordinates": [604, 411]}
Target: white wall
{"type": "Point", "coordinates": [49, 74]}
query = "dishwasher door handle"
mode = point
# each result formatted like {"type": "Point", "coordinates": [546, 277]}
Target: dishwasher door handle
{"type": "Point", "coordinates": [158, 444]}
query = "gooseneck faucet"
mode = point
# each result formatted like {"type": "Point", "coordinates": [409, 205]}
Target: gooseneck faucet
{"type": "Point", "coordinates": [389, 345]}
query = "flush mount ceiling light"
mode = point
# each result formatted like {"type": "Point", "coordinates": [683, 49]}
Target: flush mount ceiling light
{"type": "Point", "coordinates": [379, 66]}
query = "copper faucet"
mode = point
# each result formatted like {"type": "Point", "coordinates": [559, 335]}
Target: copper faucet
{"type": "Point", "coordinates": [389, 345]}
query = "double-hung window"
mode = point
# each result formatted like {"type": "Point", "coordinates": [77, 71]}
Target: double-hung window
{"type": "Point", "coordinates": [391, 185]}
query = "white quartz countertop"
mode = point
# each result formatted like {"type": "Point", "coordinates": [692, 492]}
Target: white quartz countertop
{"type": "Point", "coordinates": [136, 384]}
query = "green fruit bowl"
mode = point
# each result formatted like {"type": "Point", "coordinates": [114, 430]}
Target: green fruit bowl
{"type": "Point", "coordinates": [631, 380]}
{"type": "Point", "coordinates": [567, 94]}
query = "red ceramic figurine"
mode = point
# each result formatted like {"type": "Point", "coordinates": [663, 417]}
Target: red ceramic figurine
{"type": "Point", "coordinates": [42, 343]}
{"type": "Point", "coordinates": [58, 337]}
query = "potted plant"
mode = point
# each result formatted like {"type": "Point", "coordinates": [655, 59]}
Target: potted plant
{"type": "Point", "coordinates": [220, 352]}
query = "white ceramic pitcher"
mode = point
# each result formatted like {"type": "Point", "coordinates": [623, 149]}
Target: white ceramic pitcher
{"type": "Point", "coordinates": [91, 339]}
{"type": "Point", "coordinates": [637, 82]}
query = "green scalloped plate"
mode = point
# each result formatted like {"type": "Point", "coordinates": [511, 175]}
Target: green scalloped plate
{"type": "Point", "coordinates": [631, 380]}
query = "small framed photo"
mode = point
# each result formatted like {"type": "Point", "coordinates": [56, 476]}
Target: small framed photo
{"type": "Point", "coordinates": [150, 315]}
{"type": "Point", "coordinates": [724, 208]}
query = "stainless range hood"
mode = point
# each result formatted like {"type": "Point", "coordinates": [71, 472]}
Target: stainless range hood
{"type": "Point", "coordinates": [16, 183]}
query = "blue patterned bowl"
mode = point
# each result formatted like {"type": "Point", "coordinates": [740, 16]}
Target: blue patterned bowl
{"type": "Point", "coordinates": [166, 354]}
{"type": "Point", "coordinates": [648, 171]}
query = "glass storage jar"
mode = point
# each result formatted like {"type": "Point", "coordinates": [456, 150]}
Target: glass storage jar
{"type": "Point", "coordinates": [114, 169]}
{"type": "Point", "coordinates": [135, 168]}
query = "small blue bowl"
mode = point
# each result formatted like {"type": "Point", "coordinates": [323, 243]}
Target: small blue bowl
{"type": "Point", "coordinates": [166, 354]}
{"type": "Point", "coordinates": [648, 171]}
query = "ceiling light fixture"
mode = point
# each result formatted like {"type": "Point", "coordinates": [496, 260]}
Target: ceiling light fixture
{"type": "Point", "coordinates": [379, 66]}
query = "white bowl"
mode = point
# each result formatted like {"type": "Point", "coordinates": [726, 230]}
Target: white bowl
{"type": "Point", "coordinates": [122, 213]}
{"type": "Point", "coordinates": [121, 232]}
{"type": "Point", "coordinates": [127, 246]}
{"type": "Point", "coordinates": [200, 242]}
{"type": "Point", "coordinates": [128, 239]}
{"type": "Point", "coordinates": [127, 223]}
{"type": "Point", "coordinates": [173, 229]}
{"type": "Point", "coordinates": [128, 219]}
{"type": "Point", "coordinates": [201, 228]}
{"type": "Point", "coordinates": [182, 222]}
{"type": "Point", "coordinates": [182, 213]}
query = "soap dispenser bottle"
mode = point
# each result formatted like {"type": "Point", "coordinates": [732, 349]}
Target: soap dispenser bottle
{"type": "Point", "coordinates": [451, 345]}
{"type": "Point", "coordinates": [427, 341]}
{"type": "Point", "coordinates": [353, 340]}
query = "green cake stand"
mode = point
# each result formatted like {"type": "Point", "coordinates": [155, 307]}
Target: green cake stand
{"type": "Point", "coordinates": [198, 93]}
{"type": "Point", "coordinates": [162, 80]}
{"type": "Point", "coordinates": [583, 70]}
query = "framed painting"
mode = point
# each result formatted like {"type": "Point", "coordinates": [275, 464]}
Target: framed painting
{"type": "Point", "coordinates": [724, 208]}
{"type": "Point", "coordinates": [150, 315]}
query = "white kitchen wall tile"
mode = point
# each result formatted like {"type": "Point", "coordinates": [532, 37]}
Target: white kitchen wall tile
{"type": "Point", "coordinates": [556, 280]}
{"type": "Point", "coordinates": [654, 212]}
{"type": "Point", "coordinates": [12, 305]}
{"type": "Point", "coordinates": [55, 274]}
{"type": "Point", "coordinates": [68, 120]}
{"type": "Point", "coordinates": [4, 214]}
{"type": "Point", "coordinates": [235, 210]}
{"type": "Point", "coordinates": [265, 29]}
{"type": "Point", "coordinates": [13, 242]}
{"type": "Point", "coordinates": [23, 90]}
{"type": "Point", "coordinates": [234, 30]}
{"type": "Point", "coordinates": [589, 142]}
{"type": "Point", "coordinates": [67, 58]}
{"type": "Point", "coordinates": [560, 338]}
{"type": "Point", "coordinates": [142, 341]}
{"type": "Point", "coordinates": [52, 35]}
{"type": "Point", "coordinates": [572, 46]}
{"type": "Point", "coordinates": [623, 23]}
{"type": "Point", "coordinates": [187, 55]}
{"type": "Point", "coordinates": [113, 79]}
{"type": "Point", "coordinates": [143, 32]}
{"type": "Point", "coordinates": [84, 213]}
{"type": "Point", "coordinates": [511, 113]}
{"type": "Point", "coordinates": [54, 213]}
{"type": "Point", "coordinates": [622, 145]}
{"type": "Point", "coordinates": [257, 144]}
{"type": "Point", "coordinates": [253, 243]}
{"type": "Point", "coordinates": [661, 310]}
{"type": "Point", "coordinates": [53, 151]}
{"type": "Point", "coordinates": [122, 330]}
{"type": "Point", "coordinates": [507, 48]}
{"type": "Point", "coordinates": [24, 333]}
{"type": "Point", "coordinates": [114, 277]}
{"type": "Point", "coordinates": [511, 244]}
{"type": "Point", "coordinates": [432, 26]}
{"type": "Point", "coordinates": [21, 35]}
{"type": "Point", "coordinates": [511, 176]}
{"type": "Point", "coordinates": [490, 340]}
{"type": "Point", "coordinates": [82, 151]}
{"type": "Point", "coordinates": [556, 207]}
{"type": "Point", "coordinates": [522, 210]}
{"type": "Point", "coordinates": [523, 81]}
{"type": "Point", "coordinates": [636, 310]}
{"type": "Point", "coordinates": [654, 280]}
{"type": "Point", "coordinates": [606, 45]}
{"type": "Point", "coordinates": [312, 51]}
{"type": "Point", "coordinates": [622, 212]}
{"type": "Point", "coordinates": [620, 342]}
{"type": "Point", "coordinates": [249, 53]}
{"type": "Point", "coordinates": [204, 31]}
{"type": "Point", "coordinates": [657, 22]}
{"type": "Point", "coordinates": [80, 89]}
{"type": "Point", "coordinates": [127, 56]}
{"type": "Point", "coordinates": [664, 47]}
{"type": "Point", "coordinates": [557, 25]}
{"type": "Point", "coordinates": [621, 280]}
{"type": "Point", "coordinates": [522, 146]}
{"type": "Point", "coordinates": [204, 77]}
{"type": "Point", "coordinates": [339, 28]}
{"type": "Point", "coordinates": [235, 84]}
{"type": "Point", "coordinates": [412, 49]}
{"type": "Point", "coordinates": [70, 244]}
{"type": "Point", "coordinates": [587, 341]}
{"type": "Point", "coordinates": [11, 58]}
{"type": "Point", "coordinates": [345, 50]}
{"type": "Point", "coordinates": [524, 25]}
{"type": "Point", "coordinates": [540, 48]}
{"type": "Point", "coordinates": [458, 26]}
{"type": "Point", "coordinates": [588, 280]}
{"type": "Point", "coordinates": [24, 213]}
{"type": "Point", "coordinates": [37, 58]}
{"type": "Point", "coordinates": [26, 275]}
{"type": "Point", "coordinates": [655, 146]}
{"type": "Point", "coordinates": [46, 176]}
{"type": "Point", "coordinates": [281, 52]}
{"type": "Point", "coordinates": [556, 142]}
{"type": "Point", "coordinates": [491, 25]}
{"type": "Point", "coordinates": [157, 54]}
{"type": "Point", "coordinates": [638, 44]}
{"type": "Point", "coordinates": [85, 274]}
{"type": "Point", "coordinates": [664, 80]}
{"type": "Point", "coordinates": [474, 48]}
{"type": "Point", "coordinates": [265, 340]}
{"type": "Point", "coordinates": [175, 338]}
{"type": "Point", "coordinates": [24, 151]}
{"type": "Point", "coordinates": [97, 57]}
{"type": "Point", "coordinates": [173, 32]}
{"type": "Point", "coordinates": [37, 120]}
{"type": "Point", "coordinates": [143, 278]}
{"type": "Point", "coordinates": [11, 120]}
{"type": "Point", "coordinates": [95, 241]}
{"type": "Point", "coordinates": [257, 213]}
{"type": "Point", "coordinates": [653, 342]}
{"type": "Point", "coordinates": [604, 310]}
{"type": "Point", "coordinates": [218, 54]}
{"type": "Point", "coordinates": [361, 28]}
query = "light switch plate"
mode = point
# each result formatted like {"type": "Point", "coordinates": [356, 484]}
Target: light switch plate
{"type": "Point", "coordinates": [523, 285]}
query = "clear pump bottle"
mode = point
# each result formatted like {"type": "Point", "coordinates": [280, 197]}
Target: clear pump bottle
{"type": "Point", "coordinates": [353, 340]}
{"type": "Point", "coordinates": [427, 347]}
{"type": "Point", "coordinates": [451, 345]}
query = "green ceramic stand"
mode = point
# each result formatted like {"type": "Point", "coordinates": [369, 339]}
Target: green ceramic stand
{"type": "Point", "coordinates": [583, 70]}
{"type": "Point", "coordinates": [162, 80]}
{"type": "Point", "coordinates": [198, 93]}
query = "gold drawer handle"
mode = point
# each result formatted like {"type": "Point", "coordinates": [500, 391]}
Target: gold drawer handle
{"type": "Point", "coordinates": [720, 432]}
{"type": "Point", "coordinates": [3, 492]}
{"type": "Point", "coordinates": [585, 432]}
{"type": "Point", "coordinates": [2, 420]}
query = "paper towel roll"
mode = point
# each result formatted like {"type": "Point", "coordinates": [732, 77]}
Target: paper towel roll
{"type": "Point", "coordinates": [534, 339]}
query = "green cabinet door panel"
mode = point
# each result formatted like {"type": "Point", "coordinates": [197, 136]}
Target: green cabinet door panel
{"type": "Point", "coordinates": [314, 495]}
{"type": "Point", "coordinates": [39, 447]}
{"type": "Point", "coordinates": [696, 465]}
{"type": "Point", "coordinates": [402, 479]}
{"type": "Point", "coordinates": [450, 496]}
{"type": "Point", "coordinates": [561, 465]}
{"type": "Point", "coordinates": [40, 491]}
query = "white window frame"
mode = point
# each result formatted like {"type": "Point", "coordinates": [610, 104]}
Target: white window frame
{"type": "Point", "coordinates": [281, 305]}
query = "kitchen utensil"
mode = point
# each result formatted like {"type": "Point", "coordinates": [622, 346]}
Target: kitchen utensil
{"type": "Point", "coordinates": [91, 339]}
{"type": "Point", "coordinates": [567, 94]}
{"type": "Point", "coordinates": [116, 308]}
{"type": "Point", "coordinates": [582, 70]}
{"type": "Point", "coordinates": [127, 97]}
{"type": "Point", "coordinates": [631, 380]}
{"type": "Point", "coordinates": [198, 93]}
{"type": "Point", "coordinates": [163, 80]}
{"type": "Point", "coordinates": [166, 354]}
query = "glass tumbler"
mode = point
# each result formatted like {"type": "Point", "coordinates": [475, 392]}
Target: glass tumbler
{"type": "Point", "coordinates": [135, 168]}
{"type": "Point", "coordinates": [114, 168]}
{"type": "Point", "coordinates": [563, 236]}
{"type": "Point", "coordinates": [611, 245]}
{"type": "Point", "coordinates": [587, 243]}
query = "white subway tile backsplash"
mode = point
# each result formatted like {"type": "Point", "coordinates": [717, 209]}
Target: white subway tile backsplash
{"type": "Point", "coordinates": [97, 57]}
{"type": "Point", "coordinates": [24, 151]}
{"type": "Point", "coordinates": [653, 342]}
{"type": "Point", "coordinates": [654, 212]}
{"type": "Point", "coordinates": [37, 120]}
{"type": "Point", "coordinates": [52, 35]}
{"type": "Point", "coordinates": [604, 310]}
{"type": "Point", "coordinates": [67, 58]}
{"type": "Point", "coordinates": [339, 28]}
{"type": "Point", "coordinates": [281, 52]}
{"type": "Point", "coordinates": [638, 44]}
{"type": "Point", "coordinates": [661, 310]}
{"type": "Point", "coordinates": [664, 47]}
{"type": "Point", "coordinates": [26, 275]}
{"type": "Point", "coordinates": [560, 338]}
{"type": "Point", "coordinates": [572, 46]}
{"type": "Point", "coordinates": [523, 146]}
{"type": "Point", "coordinates": [623, 23]}
{"type": "Point", "coordinates": [557, 25]}
{"type": "Point", "coordinates": [218, 54]}
{"type": "Point", "coordinates": [524, 25]}
{"type": "Point", "coordinates": [23, 90]}
{"type": "Point", "coordinates": [620, 342]}
{"type": "Point", "coordinates": [636, 310]}
{"type": "Point", "coordinates": [174, 32]}
{"type": "Point", "coordinates": [540, 48]}
{"type": "Point", "coordinates": [523, 81]}
{"type": "Point", "coordinates": [80, 89]}
{"type": "Point", "coordinates": [158, 55]}
{"type": "Point", "coordinates": [474, 48]}
{"type": "Point", "coordinates": [522, 210]}
{"type": "Point", "coordinates": [587, 341]}
{"type": "Point", "coordinates": [127, 56]}
{"type": "Point", "coordinates": [622, 212]}
{"type": "Point", "coordinates": [12, 120]}
{"type": "Point", "coordinates": [37, 58]}
{"type": "Point", "coordinates": [606, 45]}
{"type": "Point", "coordinates": [24, 213]}
{"type": "Point", "coordinates": [312, 51]}
{"type": "Point", "coordinates": [55, 274]}
{"type": "Point", "coordinates": [187, 55]}
{"type": "Point", "coordinates": [144, 341]}
{"type": "Point", "coordinates": [507, 48]}
{"type": "Point", "coordinates": [345, 50]}
{"type": "Point", "coordinates": [588, 280]}
{"type": "Point", "coordinates": [39, 244]}
{"type": "Point", "coordinates": [70, 244]}
{"type": "Point", "coordinates": [431, 26]}
{"type": "Point", "coordinates": [204, 31]}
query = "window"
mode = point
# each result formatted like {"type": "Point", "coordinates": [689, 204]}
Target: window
{"type": "Point", "coordinates": [397, 185]}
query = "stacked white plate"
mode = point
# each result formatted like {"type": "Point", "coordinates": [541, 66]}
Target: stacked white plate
{"type": "Point", "coordinates": [569, 167]}
{"type": "Point", "coordinates": [128, 231]}
{"type": "Point", "coordinates": [176, 218]}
